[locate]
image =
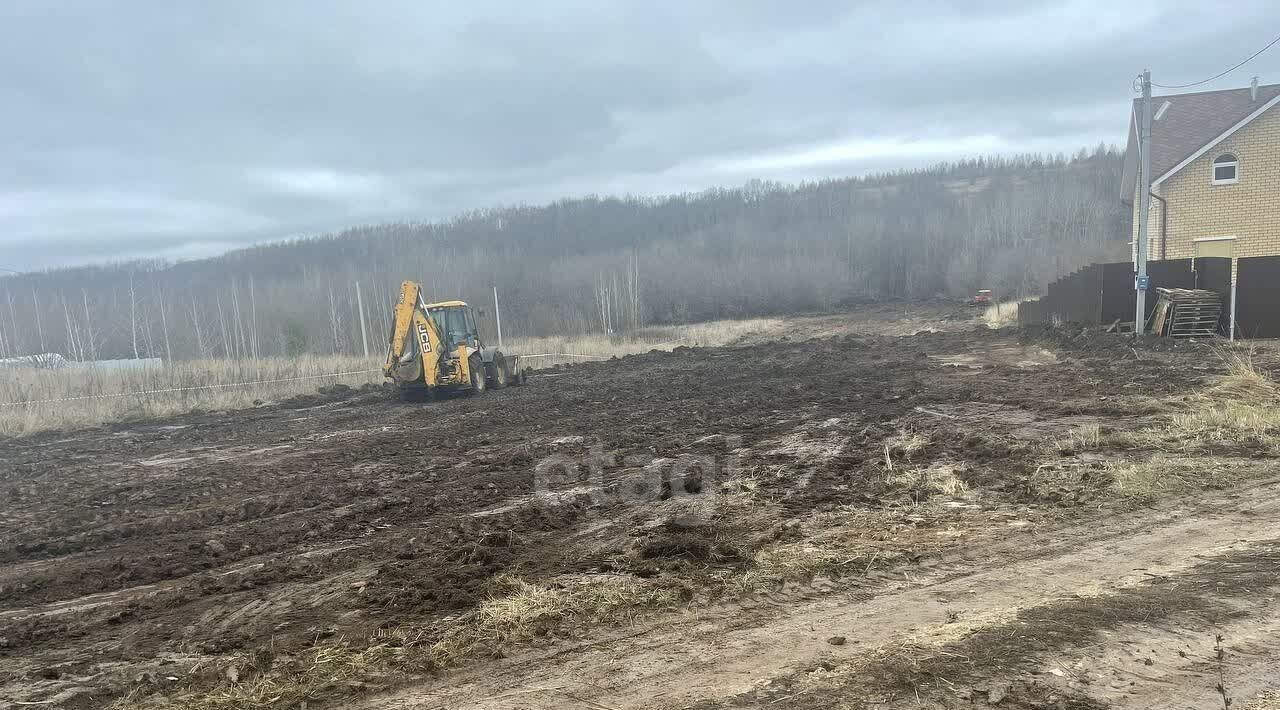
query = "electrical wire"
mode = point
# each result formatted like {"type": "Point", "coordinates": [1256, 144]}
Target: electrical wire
{"type": "Point", "coordinates": [1222, 74]}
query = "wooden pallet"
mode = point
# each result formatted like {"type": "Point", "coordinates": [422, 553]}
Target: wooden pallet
{"type": "Point", "coordinates": [1186, 313]}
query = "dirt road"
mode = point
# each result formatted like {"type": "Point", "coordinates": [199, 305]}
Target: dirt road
{"type": "Point", "coordinates": [598, 531]}
{"type": "Point", "coordinates": [779, 653]}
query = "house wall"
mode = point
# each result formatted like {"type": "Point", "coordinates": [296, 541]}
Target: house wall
{"type": "Point", "coordinates": [1244, 210]}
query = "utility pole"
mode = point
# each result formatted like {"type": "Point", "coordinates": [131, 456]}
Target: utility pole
{"type": "Point", "coordinates": [1144, 206]}
{"type": "Point", "coordinates": [364, 335]}
{"type": "Point", "coordinates": [497, 315]}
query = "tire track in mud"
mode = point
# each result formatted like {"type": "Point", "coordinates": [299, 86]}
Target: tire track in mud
{"type": "Point", "coordinates": [1093, 650]}
{"type": "Point", "coordinates": [731, 656]}
{"type": "Point", "coordinates": [1020, 656]}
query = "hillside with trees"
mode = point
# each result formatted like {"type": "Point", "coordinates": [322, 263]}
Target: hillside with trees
{"type": "Point", "coordinates": [600, 264]}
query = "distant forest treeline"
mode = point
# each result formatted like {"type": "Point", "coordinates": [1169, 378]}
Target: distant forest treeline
{"type": "Point", "coordinates": [600, 264]}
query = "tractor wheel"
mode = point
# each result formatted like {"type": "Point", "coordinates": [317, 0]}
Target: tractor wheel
{"type": "Point", "coordinates": [500, 375]}
{"type": "Point", "coordinates": [479, 382]}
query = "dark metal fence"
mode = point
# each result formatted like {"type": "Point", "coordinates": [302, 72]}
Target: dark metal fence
{"type": "Point", "coordinates": [1120, 300]}
{"type": "Point", "coordinates": [1103, 293]}
{"type": "Point", "coordinates": [1214, 273]}
{"type": "Point", "coordinates": [1258, 297]}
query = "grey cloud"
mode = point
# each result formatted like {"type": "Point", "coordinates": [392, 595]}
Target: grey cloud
{"type": "Point", "coordinates": [217, 124]}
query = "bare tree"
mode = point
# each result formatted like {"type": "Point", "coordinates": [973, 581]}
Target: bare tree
{"type": "Point", "coordinates": [633, 291]}
{"type": "Point", "coordinates": [13, 323]}
{"type": "Point", "coordinates": [164, 324]}
{"type": "Point", "coordinates": [89, 331]}
{"type": "Point", "coordinates": [35, 305]}
{"type": "Point", "coordinates": [201, 351]}
{"type": "Point", "coordinates": [335, 322]}
{"type": "Point", "coordinates": [253, 320]}
{"type": "Point", "coordinates": [133, 317]}
{"type": "Point", "coordinates": [384, 313]}
{"type": "Point", "coordinates": [364, 333]}
{"type": "Point", "coordinates": [73, 342]}
{"type": "Point", "coordinates": [148, 335]}
{"type": "Point", "coordinates": [227, 350]}
{"type": "Point", "coordinates": [6, 346]}
{"type": "Point", "coordinates": [239, 322]}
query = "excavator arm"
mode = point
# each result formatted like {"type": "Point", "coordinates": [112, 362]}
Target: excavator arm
{"type": "Point", "coordinates": [414, 350]}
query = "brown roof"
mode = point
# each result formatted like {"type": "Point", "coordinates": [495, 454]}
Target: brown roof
{"type": "Point", "coordinates": [1190, 122]}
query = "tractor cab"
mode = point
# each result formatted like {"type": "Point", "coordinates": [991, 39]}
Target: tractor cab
{"type": "Point", "coordinates": [456, 322]}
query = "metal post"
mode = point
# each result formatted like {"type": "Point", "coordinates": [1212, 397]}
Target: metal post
{"type": "Point", "coordinates": [364, 335]}
{"type": "Point", "coordinates": [497, 316]}
{"type": "Point", "coordinates": [1233, 302]}
{"type": "Point", "coordinates": [1144, 207]}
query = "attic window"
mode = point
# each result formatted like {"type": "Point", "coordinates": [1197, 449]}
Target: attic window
{"type": "Point", "coordinates": [1226, 169]}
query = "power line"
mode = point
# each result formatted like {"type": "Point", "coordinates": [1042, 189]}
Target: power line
{"type": "Point", "coordinates": [12, 271]}
{"type": "Point", "coordinates": [1222, 74]}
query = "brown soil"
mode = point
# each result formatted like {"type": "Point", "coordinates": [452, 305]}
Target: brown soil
{"type": "Point", "coordinates": [1063, 617]}
{"type": "Point", "coordinates": [160, 558]}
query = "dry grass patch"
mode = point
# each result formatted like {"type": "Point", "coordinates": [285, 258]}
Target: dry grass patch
{"type": "Point", "coordinates": [1239, 411]}
{"type": "Point", "coordinates": [560, 349]}
{"type": "Point", "coordinates": [522, 610]}
{"type": "Point", "coordinates": [921, 482]}
{"type": "Point", "coordinates": [899, 449]}
{"type": "Point", "coordinates": [855, 540]}
{"type": "Point", "coordinates": [1205, 445]}
{"type": "Point", "coordinates": [724, 332]}
{"type": "Point", "coordinates": [1165, 475]}
{"type": "Point", "coordinates": [1003, 314]}
{"type": "Point", "coordinates": [940, 478]}
{"type": "Point", "coordinates": [315, 675]}
{"type": "Point", "coordinates": [1226, 424]}
{"type": "Point", "coordinates": [96, 395]}
{"type": "Point", "coordinates": [1244, 382]}
{"type": "Point", "coordinates": [1086, 438]}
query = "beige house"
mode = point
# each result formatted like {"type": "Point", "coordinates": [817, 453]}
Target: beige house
{"type": "Point", "coordinates": [1215, 171]}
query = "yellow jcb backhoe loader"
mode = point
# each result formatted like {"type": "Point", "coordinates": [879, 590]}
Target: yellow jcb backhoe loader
{"type": "Point", "coordinates": [436, 348]}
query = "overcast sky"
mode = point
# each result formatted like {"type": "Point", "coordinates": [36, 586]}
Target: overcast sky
{"type": "Point", "coordinates": [182, 129]}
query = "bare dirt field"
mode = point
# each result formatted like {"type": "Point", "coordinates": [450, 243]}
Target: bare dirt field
{"type": "Point", "coordinates": [884, 517]}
